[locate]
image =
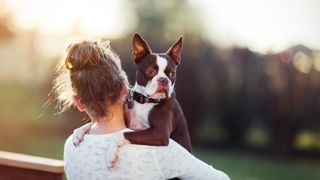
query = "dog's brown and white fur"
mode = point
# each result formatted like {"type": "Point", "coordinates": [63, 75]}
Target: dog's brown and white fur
{"type": "Point", "coordinates": [155, 79]}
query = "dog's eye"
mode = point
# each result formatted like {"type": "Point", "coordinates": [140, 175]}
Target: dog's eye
{"type": "Point", "coordinates": [172, 74]}
{"type": "Point", "coordinates": [151, 72]}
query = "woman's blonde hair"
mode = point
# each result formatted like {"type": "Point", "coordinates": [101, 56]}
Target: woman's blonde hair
{"type": "Point", "coordinates": [91, 72]}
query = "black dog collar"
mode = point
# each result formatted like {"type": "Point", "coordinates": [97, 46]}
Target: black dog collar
{"type": "Point", "coordinates": [140, 98]}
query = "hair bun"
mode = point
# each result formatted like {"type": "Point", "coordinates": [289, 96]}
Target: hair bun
{"type": "Point", "coordinates": [83, 54]}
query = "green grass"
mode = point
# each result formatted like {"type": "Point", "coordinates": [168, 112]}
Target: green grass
{"type": "Point", "coordinates": [253, 167]}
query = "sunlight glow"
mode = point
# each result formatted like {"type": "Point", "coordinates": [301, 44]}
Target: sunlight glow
{"type": "Point", "coordinates": [316, 60]}
{"type": "Point", "coordinates": [302, 62]}
{"type": "Point", "coordinates": [261, 25]}
{"type": "Point", "coordinates": [95, 17]}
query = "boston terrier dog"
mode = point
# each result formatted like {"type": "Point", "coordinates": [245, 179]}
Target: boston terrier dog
{"type": "Point", "coordinates": [157, 115]}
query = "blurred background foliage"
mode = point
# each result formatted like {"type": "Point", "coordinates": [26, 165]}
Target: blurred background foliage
{"type": "Point", "coordinates": [254, 114]}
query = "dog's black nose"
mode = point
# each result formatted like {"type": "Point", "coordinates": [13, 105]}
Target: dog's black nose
{"type": "Point", "coordinates": [163, 81]}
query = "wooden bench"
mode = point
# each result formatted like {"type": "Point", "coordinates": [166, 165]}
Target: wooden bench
{"type": "Point", "coordinates": [14, 166]}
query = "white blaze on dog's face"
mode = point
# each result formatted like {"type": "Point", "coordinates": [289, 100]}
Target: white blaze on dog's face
{"type": "Point", "coordinates": [160, 86]}
{"type": "Point", "coordinates": [156, 73]}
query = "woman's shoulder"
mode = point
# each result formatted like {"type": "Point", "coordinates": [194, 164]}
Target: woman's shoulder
{"type": "Point", "coordinates": [69, 141]}
{"type": "Point", "coordinates": [93, 137]}
{"type": "Point", "coordinates": [102, 140]}
{"type": "Point", "coordinates": [172, 151]}
{"type": "Point", "coordinates": [107, 141]}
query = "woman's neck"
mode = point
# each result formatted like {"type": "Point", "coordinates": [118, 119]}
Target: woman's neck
{"type": "Point", "coordinates": [113, 122]}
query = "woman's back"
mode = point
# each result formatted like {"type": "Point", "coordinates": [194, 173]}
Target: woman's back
{"type": "Point", "coordinates": [91, 160]}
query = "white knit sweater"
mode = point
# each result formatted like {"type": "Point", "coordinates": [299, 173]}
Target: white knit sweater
{"type": "Point", "coordinates": [91, 161]}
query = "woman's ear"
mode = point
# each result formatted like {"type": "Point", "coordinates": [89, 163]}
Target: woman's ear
{"type": "Point", "coordinates": [124, 91]}
{"type": "Point", "coordinates": [80, 105]}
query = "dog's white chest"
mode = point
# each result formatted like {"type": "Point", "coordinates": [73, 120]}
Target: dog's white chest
{"type": "Point", "coordinates": [140, 115]}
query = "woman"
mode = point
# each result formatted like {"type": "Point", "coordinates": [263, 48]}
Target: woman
{"type": "Point", "coordinates": [92, 79]}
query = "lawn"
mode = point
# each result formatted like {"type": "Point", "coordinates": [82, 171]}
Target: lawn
{"type": "Point", "coordinates": [240, 166]}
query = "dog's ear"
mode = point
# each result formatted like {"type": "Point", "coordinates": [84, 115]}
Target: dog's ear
{"type": "Point", "coordinates": [175, 51]}
{"type": "Point", "coordinates": [140, 48]}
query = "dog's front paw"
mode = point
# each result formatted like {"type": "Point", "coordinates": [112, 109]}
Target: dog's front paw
{"type": "Point", "coordinates": [112, 155]}
{"type": "Point", "coordinates": [123, 141]}
{"type": "Point", "coordinates": [79, 133]}
{"type": "Point", "coordinates": [114, 152]}
{"type": "Point", "coordinates": [113, 163]}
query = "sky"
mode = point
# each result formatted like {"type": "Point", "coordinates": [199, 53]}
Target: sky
{"type": "Point", "coordinates": [260, 25]}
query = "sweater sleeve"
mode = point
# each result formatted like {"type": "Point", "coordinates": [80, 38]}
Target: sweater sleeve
{"type": "Point", "coordinates": [175, 161]}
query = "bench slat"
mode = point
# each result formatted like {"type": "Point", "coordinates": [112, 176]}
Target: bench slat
{"type": "Point", "coordinates": [31, 162]}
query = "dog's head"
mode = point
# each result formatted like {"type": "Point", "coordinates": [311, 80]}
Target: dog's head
{"type": "Point", "coordinates": [156, 72]}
